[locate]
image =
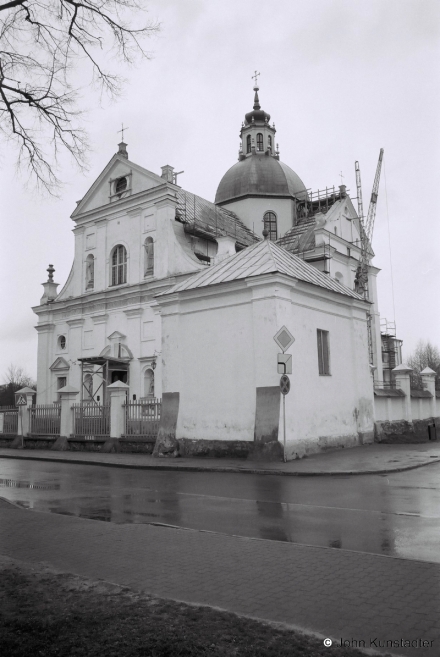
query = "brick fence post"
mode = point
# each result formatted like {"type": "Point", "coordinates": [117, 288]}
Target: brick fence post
{"type": "Point", "coordinates": [428, 378]}
{"type": "Point", "coordinates": [24, 416]}
{"type": "Point", "coordinates": [68, 395]}
{"type": "Point", "coordinates": [402, 372]}
{"type": "Point", "coordinates": [118, 396]}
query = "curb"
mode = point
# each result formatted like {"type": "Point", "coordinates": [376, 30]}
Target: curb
{"type": "Point", "coordinates": [227, 469]}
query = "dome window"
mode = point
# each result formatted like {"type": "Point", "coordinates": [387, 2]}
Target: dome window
{"type": "Point", "coordinates": [248, 144]}
{"type": "Point", "coordinates": [270, 224]}
{"type": "Point", "coordinates": [259, 141]}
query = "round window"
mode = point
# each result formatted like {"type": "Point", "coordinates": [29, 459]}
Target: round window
{"type": "Point", "coordinates": [62, 342]}
{"type": "Point", "coordinates": [121, 185]}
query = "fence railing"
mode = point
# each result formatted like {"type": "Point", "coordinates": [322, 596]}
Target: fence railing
{"type": "Point", "coordinates": [8, 420]}
{"type": "Point", "coordinates": [142, 418]}
{"type": "Point", "coordinates": [45, 420]}
{"type": "Point", "coordinates": [91, 420]}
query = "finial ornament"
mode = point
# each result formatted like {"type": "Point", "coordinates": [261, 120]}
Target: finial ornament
{"type": "Point", "coordinates": [265, 233]}
{"type": "Point", "coordinates": [50, 271]}
{"type": "Point", "coordinates": [255, 78]}
{"type": "Point", "coordinates": [122, 131]}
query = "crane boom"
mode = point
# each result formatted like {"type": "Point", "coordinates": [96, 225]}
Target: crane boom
{"type": "Point", "coordinates": [369, 227]}
{"type": "Point", "coordinates": [359, 191]}
{"type": "Point", "coordinates": [366, 228]}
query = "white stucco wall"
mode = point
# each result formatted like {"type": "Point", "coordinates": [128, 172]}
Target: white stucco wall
{"type": "Point", "coordinates": [218, 348]}
{"type": "Point", "coordinates": [252, 210]}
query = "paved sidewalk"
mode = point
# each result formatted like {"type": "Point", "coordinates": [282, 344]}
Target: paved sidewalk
{"type": "Point", "coordinates": [368, 459]}
{"type": "Point", "coordinates": [335, 593]}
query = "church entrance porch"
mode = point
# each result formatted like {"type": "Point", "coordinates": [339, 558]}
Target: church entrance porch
{"type": "Point", "coordinates": [97, 373]}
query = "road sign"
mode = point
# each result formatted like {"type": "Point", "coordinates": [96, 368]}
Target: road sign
{"type": "Point", "coordinates": [285, 384]}
{"type": "Point", "coordinates": [284, 364]}
{"type": "Point", "coordinates": [284, 338]}
{"type": "Point", "coordinates": [21, 401]}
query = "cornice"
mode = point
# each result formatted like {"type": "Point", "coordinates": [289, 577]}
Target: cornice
{"type": "Point", "coordinates": [44, 328]}
{"type": "Point", "coordinates": [133, 312]}
{"type": "Point", "coordinates": [126, 204]}
{"type": "Point", "coordinates": [77, 321]}
{"type": "Point", "coordinates": [99, 319]}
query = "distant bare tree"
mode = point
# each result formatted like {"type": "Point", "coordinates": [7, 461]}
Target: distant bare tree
{"type": "Point", "coordinates": [425, 355]}
{"type": "Point", "coordinates": [15, 378]}
{"type": "Point", "coordinates": [42, 42]}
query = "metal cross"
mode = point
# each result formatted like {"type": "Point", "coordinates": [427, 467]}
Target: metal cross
{"type": "Point", "coordinates": [255, 76]}
{"type": "Point", "coordinates": [122, 131]}
{"type": "Point", "coordinates": [342, 182]}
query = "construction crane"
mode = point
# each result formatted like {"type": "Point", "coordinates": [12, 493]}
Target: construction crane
{"type": "Point", "coordinates": [366, 227]}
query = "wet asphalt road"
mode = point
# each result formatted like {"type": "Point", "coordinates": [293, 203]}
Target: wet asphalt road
{"type": "Point", "coordinates": [396, 514]}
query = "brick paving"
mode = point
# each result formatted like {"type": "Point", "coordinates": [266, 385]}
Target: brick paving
{"type": "Point", "coordinates": [336, 593]}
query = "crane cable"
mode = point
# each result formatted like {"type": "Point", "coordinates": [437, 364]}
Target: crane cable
{"type": "Point", "coordinates": [389, 241]}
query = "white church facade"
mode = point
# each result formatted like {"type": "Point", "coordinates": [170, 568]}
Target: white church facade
{"type": "Point", "coordinates": [180, 298]}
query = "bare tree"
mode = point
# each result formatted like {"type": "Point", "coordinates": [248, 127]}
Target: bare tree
{"type": "Point", "coordinates": [15, 378]}
{"type": "Point", "coordinates": [42, 43]}
{"type": "Point", "coordinates": [425, 355]}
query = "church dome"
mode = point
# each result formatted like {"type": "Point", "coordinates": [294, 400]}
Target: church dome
{"type": "Point", "coordinates": [259, 175]}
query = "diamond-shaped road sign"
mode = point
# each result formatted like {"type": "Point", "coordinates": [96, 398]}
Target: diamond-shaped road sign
{"type": "Point", "coordinates": [284, 338]}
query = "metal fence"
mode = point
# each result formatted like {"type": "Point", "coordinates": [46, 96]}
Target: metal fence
{"type": "Point", "coordinates": [91, 419]}
{"type": "Point", "coordinates": [8, 420]}
{"type": "Point", "coordinates": [142, 418]}
{"type": "Point", "coordinates": [45, 420]}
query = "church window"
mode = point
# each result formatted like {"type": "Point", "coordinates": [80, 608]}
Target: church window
{"type": "Point", "coordinates": [62, 342]}
{"type": "Point", "coordinates": [90, 272]}
{"type": "Point", "coordinates": [270, 224]}
{"type": "Point", "coordinates": [149, 383]}
{"type": "Point", "coordinates": [323, 353]}
{"type": "Point", "coordinates": [119, 265]}
{"type": "Point", "coordinates": [149, 257]}
{"type": "Point", "coordinates": [248, 144]}
{"type": "Point", "coordinates": [61, 382]}
{"type": "Point", "coordinates": [269, 141]}
{"type": "Point", "coordinates": [121, 185]}
{"type": "Point", "coordinates": [259, 142]}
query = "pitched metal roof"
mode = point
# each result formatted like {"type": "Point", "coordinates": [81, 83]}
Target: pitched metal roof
{"type": "Point", "coordinates": [262, 258]}
{"type": "Point", "coordinates": [201, 216]}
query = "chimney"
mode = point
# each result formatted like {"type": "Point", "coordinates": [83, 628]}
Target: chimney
{"type": "Point", "coordinates": [168, 173]}
{"type": "Point", "coordinates": [225, 248]}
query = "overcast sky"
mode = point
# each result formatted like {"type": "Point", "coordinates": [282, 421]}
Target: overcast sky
{"type": "Point", "coordinates": [340, 78]}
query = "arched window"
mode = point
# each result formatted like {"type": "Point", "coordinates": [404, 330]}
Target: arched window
{"type": "Point", "coordinates": [269, 141]}
{"type": "Point", "coordinates": [259, 142]}
{"type": "Point", "coordinates": [248, 144]}
{"type": "Point", "coordinates": [149, 383]}
{"type": "Point", "coordinates": [270, 224]}
{"type": "Point", "coordinates": [90, 272]}
{"type": "Point", "coordinates": [149, 257]}
{"type": "Point", "coordinates": [119, 265]}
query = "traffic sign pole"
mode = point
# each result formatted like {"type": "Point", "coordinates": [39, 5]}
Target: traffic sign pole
{"type": "Point", "coordinates": [284, 426]}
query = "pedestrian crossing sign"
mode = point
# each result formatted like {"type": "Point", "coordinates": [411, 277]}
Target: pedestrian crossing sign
{"type": "Point", "coordinates": [21, 401]}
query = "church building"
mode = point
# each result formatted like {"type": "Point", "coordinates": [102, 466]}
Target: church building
{"type": "Point", "coordinates": [180, 298]}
